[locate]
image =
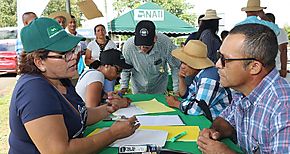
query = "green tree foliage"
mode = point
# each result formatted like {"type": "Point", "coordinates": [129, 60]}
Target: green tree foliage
{"type": "Point", "coordinates": [8, 13]}
{"type": "Point", "coordinates": [60, 5]}
{"type": "Point", "coordinates": [287, 28]}
{"type": "Point", "coordinates": [176, 7]}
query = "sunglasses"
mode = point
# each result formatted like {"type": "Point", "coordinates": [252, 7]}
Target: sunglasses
{"type": "Point", "coordinates": [223, 59]}
{"type": "Point", "coordinates": [67, 56]}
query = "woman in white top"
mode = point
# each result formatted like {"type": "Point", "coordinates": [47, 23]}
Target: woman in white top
{"type": "Point", "coordinates": [101, 43]}
{"type": "Point", "coordinates": [95, 47]}
{"type": "Point", "coordinates": [90, 83]}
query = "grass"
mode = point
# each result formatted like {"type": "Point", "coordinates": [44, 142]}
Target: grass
{"type": "Point", "coordinates": [4, 122]}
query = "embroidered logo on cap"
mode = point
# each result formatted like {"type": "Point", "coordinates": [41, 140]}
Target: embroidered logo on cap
{"type": "Point", "coordinates": [54, 30]}
{"type": "Point", "coordinates": [144, 32]}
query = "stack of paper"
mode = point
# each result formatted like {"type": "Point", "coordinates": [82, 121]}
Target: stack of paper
{"type": "Point", "coordinates": [159, 120]}
{"type": "Point", "coordinates": [141, 137]}
{"type": "Point", "coordinates": [191, 136]}
{"type": "Point", "coordinates": [192, 131]}
{"type": "Point", "coordinates": [143, 107]}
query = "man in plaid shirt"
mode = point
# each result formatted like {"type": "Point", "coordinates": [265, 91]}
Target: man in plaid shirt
{"type": "Point", "coordinates": [260, 115]}
{"type": "Point", "coordinates": [204, 86]}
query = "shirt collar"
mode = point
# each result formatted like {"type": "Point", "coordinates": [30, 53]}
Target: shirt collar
{"type": "Point", "coordinates": [263, 86]}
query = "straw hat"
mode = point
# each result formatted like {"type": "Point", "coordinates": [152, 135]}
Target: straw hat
{"type": "Point", "coordinates": [210, 14]}
{"type": "Point", "coordinates": [253, 5]}
{"type": "Point", "coordinates": [59, 14]}
{"type": "Point", "coordinates": [194, 54]}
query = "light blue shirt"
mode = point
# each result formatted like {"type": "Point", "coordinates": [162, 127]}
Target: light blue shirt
{"type": "Point", "coordinates": [150, 71]}
{"type": "Point", "coordinates": [255, 20]}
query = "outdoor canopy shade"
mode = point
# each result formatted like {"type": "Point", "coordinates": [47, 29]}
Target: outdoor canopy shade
{"type": "Point", "coordinates": [165, 22]}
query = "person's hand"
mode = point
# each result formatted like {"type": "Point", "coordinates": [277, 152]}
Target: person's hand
{"type": "Point", "coordinates": [124, 90]}
{"type": "Point", "coordinates": [210, 146]}
{"type": "Point", "coordinates": [124, 127]}
{"type": "Point", "coordinates": [181, 74]}
{"type": "Point", "coordinates": [283, 73]}
{"type": "Point", "coordinates": [119, 101]}
{"type": "Point", "coordinates": [111, 107]}
{"type": "Point", "coordinates": [172, 101]}
{"type": "Point", "coordinates": [210, 133]}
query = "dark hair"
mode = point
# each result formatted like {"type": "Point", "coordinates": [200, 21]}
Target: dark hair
{"type": "Point", "coordinates": [271, 17]}
{"type": "Point", "coordinates": [72, 16]}
{"type": "Point", "coordinates": [260, 42]}
{"type": "Point", "coordinates": [27, 65]}
{"type": "Point", "coordinates": [200, 16]}
{"type": "Point", "coordinates": [96, 64]}
{"type": "Point", "coordinates": [224, 34]}
{"type": "Point", "coordinates": [98, 26]}
{"type": "Point", "coordinates": [26, 14]}
{"type": "Point", "coordinates": [212, 25]}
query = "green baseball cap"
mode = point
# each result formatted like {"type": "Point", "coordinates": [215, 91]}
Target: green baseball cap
{"type": "Point", "coordinates": [46, 33]}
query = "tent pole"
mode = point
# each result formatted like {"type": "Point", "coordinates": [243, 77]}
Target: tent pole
{"type": "Point", "coordinates": [68, 7]}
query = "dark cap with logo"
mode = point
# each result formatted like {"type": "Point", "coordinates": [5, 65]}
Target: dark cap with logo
{"type": "Point", "coordinates": [46, 33]}
{"type": "Point", "coordinates": [114, 57]}
{"type": "Point", "coordinates": [144, 33]}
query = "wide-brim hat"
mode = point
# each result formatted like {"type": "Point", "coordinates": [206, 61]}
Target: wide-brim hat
{"type": "Point", "coordinates": [194, 54]}
{"type": "Point", "coordinates": [253, 5]}
{"type": "Point", "coordinates": [210, 14]}
{"type": "Point", "coordinates": [61, 14]}
{"type": "Point", "coordinates": [46, 33]}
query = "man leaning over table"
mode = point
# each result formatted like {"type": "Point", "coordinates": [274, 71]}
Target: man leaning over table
{"type": "Point", "coordinates": [260, 114]}
{"type": "Point", "coordinates": [205, 85]}
{"type": "Point", "coordinates": [149, 53]}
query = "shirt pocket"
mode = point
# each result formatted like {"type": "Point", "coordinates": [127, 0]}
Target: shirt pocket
{"type": "Point", "coordinates": [158, 66]}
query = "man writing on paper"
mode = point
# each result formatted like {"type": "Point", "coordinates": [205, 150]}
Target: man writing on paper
{"type": "Point", "coordinates": [205, 85]}
{"type": "Point", "coordinates": [259, 115]}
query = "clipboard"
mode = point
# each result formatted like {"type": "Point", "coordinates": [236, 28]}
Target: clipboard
{"type": "Point", "coordinates": [90, 9]}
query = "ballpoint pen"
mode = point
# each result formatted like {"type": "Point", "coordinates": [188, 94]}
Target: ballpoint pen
{"type": "Point", "coordinates": [173, 139]}
{"type": "Point", "coordinates": [120, 94]}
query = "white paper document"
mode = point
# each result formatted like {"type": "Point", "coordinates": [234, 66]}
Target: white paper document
{"type": "Point", "coordinates": [143, 136]}
{"type": "Point", "coordinates": [160, 120]}
{"type": "Point", "coordinates": [129, 111]}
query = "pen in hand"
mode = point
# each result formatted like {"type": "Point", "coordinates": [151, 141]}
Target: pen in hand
{"type": "Point", "coordinates": [173, 139]}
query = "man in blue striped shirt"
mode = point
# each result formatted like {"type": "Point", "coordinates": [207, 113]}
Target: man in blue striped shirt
{"type": "Point", "coordinates": [205, 85]}
{"type": "Point", "coordinates": [260, 115]}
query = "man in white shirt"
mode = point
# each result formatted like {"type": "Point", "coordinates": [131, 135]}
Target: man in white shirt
{"type": "Point", "coordinates": [281, 59]}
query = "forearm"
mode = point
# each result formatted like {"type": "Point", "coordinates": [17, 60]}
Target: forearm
{"type": "Point", "coordinates": [97, 114]}
{"type": "Point", "coordinates": [91, 144]}
{"type": "Point", "coordinates": [182, 86]}
{"type": "Point", "coordinates": [283, 56]}
{"type": "Point", "coordinates": [223, 127]}
{"type": "Point", "coordinates": [174, 72]}
{"type": "Point", "coordinates": [125, 77]}
{"type": "Point", "coordinates": [88, 57]}
{"type": "Point", "coordinates": [88, 61]}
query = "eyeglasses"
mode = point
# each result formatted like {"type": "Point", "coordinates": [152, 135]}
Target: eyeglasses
{"type": "Point", "coordinates": [119, 70]}
{"type": "Point", "coordinates": [68, 55]}
{"type": "Point", "coordinates": [223, 59]}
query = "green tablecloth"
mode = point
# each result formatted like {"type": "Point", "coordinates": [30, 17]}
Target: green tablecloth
{"type": "Point", "coordinates": [191, 147]}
